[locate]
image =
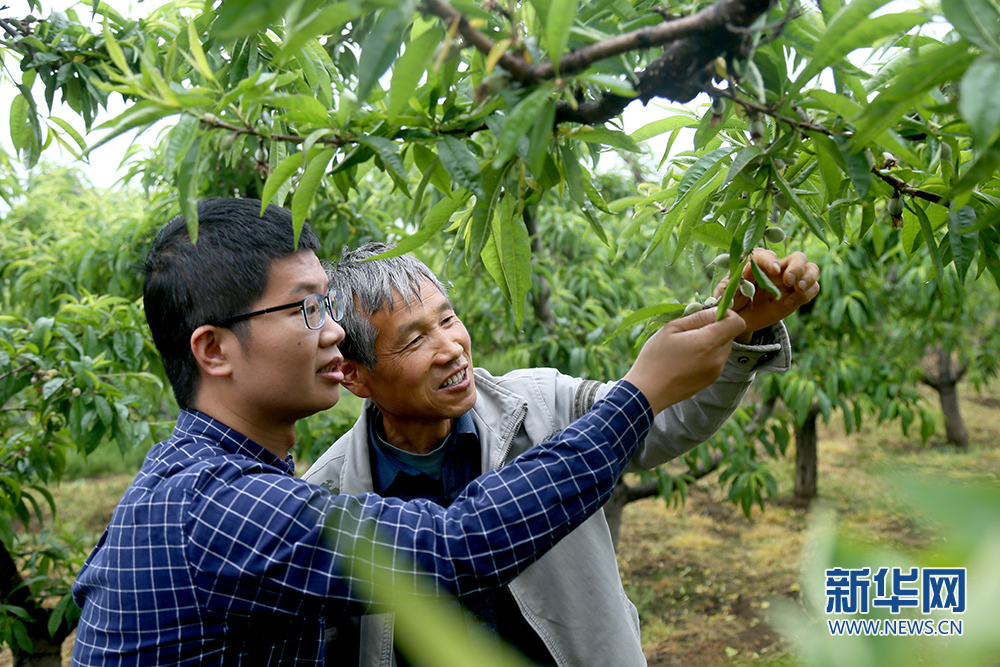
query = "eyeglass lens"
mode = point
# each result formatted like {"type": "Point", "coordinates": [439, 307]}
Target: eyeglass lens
{"type": "Point", "coordinates": [314, 308]}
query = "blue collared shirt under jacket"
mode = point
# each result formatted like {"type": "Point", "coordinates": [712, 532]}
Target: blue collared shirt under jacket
{"type": "Point", "coordinates": [218, 555]}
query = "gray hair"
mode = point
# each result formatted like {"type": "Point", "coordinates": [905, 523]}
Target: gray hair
{"type": "Point", "coordinates": [370, 286]}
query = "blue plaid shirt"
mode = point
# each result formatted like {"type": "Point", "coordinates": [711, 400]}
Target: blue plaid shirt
{"type": "Point", "coordinates": [218, 554]}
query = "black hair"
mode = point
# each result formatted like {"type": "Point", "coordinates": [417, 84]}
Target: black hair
{"type": "Point", "coordinates": [222, 274]}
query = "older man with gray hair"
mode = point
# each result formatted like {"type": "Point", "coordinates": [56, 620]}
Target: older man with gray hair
{"type": "Point", "coordinates": [431, 422]}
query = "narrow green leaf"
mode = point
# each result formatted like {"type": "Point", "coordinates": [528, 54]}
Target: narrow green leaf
{"type": "Point", "coordinates": [142, 113]}
{"type": "Point", "coordinates": [303, 108]}
{"type": "Point", "coordinates": [70, 130]}
{"type": "Point", "coordinates": [386, 150]}
{"type": "Point", "coordinates": [978, 21]}
{"type": "Point", "coordinates": [20, 132]}
{"type": "Point", "coordinates": [277, 178]}
{"type": "Point", "coordinates": [541, 138]}
{"type": "Point", "coordinates": [379, 50]}
{"type": "Point", "coordinates": [436, 218]}
{"type": "Point", "coordinates": [180, 139]}
{"type": "Point", "coordinates": [187, 187]}
{"type": "Point", "coordinates": [115, 51]}
{"type": "Point", "coordinates": [800, 207]}
{"type": "Point", "coordinates": [561, 14]}
{"type": "Point", "coordinates": [606, 82]}
{"type": "Point", "coordinates": [52, 386]}
{"type": "Point", "coordinates": [409, 69]}
{"type": "Point", "coordinates": [925, 226]}
{"type": "Point", "coordinates": [964, 243]}
{"type": "Point", "coordinates": [763, 280]}
{"type": "Point", "coordinates": [662, 126]}
{"type": "Point", "coordinates": [644, 314]}
{"type": "Point", "coordinates": [713, 234]}
{"type": "Point", "coordinates": [708, 161]}
{"type": "Point", "coordinates": [323, 22]}
{"type": "Point", "coordinates": [858, 169]}
{"type": "Point", "coordinates": [742, 159]}
{"type": "Point", "coordinates": [460, 164]}
{"type": "Point", "coordinates": [514, 248]}
{"type": "Point", "coordinates": [979, 102]}
{"type": "Point", "coordinates": [605, 136]}
{"type": "Point", "coordinates": [308, 184]}
{"type": "Point", "coordinates": [519, 123]}
{"type": "Point", "coordinates": [200, 62]}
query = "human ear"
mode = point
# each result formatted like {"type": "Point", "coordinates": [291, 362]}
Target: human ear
{"type": "Point", "coordinates": [209, 345]}
{"type": "Point", "coordinates": [356, 378]}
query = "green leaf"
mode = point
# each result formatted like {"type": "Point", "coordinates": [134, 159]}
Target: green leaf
{"type": "Point", "coordinates": [541, 138]}
{"type": "Point", "coordinates": [115, 51]}
{"type": "Point", "coordinates": [70, 130]}
{"type": "Point", "coordinates": [519, 123]}
{"type": "Point", "coordinates": [386, 151]}
{"type": "Point", "coordinates": [19, 130]}
{"type": "Point", "coordinates": [460, 164]}
{"type": "Point", "coordinates": [180, 139]}
{"type": "Point", "coordinates": [103, 410]}
{"type": "Point", "coordinates": [964, 243]}
{"type": "Point", "coordinates": [408, 69]}
{"type": "Point", "coordinates": [662, 126]}
{"type": "Point", "coordinates": [979, 102]}
{"type": "Point", "coordinates": [858, 169]}
{"type": "Point", "coordinates": [713, 234]}
{"type": "Point", "coordinates": [852, 29]}
{"type": "Point", "coordinates": [52, 386]}
{"type": "Point", "coordinates": [978, 21]}
{"type": "Point", "coordinates": [925, 226]}
{"type": "Point", "coordinates": [646, 313]}
{"type": "Point", "coordinates": [436, 218]}
{"type": "Point", "coordinates": [379, 50]}
{"type": "Point", "coordinates": [742, 159]}
{"type": "Point", "coordinates": [763, 280]}
{"type": "Point", "coordinates": [708, 161]}
{"type": "Point", "coordinates": [142, 113]}
{"type": "Point", "coordinates": [605, 136]}
{"type": "Point", "coordinates": [303, 108]}
{"type": "Point", "coordinates": [802, 209]}
{"type": "Point", "coordinates": [198, 54]}
{"type": "Point", "coordinates": [608, 83]}
{"type": "Point", "coordinates": [187, 187]}
{"type": "Point", "coordinates": [308, 184]}
{"type": "Point", "coordinates": [272, 188]}
{"type": "Point", "coordinates": [561, 14]}
{"type": "Point", "coordinates": [514, 250]}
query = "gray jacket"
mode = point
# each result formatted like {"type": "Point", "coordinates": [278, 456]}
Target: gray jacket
{"type": "Point", "coordinates": [573, 596]}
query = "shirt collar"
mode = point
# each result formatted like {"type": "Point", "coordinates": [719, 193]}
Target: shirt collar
{"type": "Point", "coordinates": [387, 467]}
{"type": "Point", "coordinates": [194, 424]}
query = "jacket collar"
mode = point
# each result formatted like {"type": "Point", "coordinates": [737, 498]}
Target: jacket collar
{"type": "Point", "coordinates": [498, 414]}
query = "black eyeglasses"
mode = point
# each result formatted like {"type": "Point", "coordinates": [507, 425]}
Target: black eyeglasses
{"type": "Point", "coordinates": [314, 309]}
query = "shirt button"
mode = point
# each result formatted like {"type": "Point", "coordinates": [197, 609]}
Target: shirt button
{"type": "Point", "coordinates": [743, 361]}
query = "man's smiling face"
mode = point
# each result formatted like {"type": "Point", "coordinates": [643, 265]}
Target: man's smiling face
{"type": "Point", "coordinates": [423, 373]}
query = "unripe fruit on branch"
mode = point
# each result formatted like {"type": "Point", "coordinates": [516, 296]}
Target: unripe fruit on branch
{"type": "Point", "coordinates": [895, 207]}
{"type": "Point", "coordinates": [76, 392]}
{"type": "Point", "coordinates": [718, 106]}
{"type": "Point", "coordinates": [692, 308]}
{"type": "Point", "coordinates": [945, 151]}
{"type": "Point", "coordinates": [774, 234]}
{"type": "Point", "coordinates": [747, 289]}
{"type": "Point", "coordinates": [227, 142]}
{"type": "Point", "coordinates": [722, 261]}
{"type": "Point", "coordinates": [711, 301]}
{"type": "Point", "coordinates": [757, 129]}
{"type": "Point", "coordinates": [260, 154]}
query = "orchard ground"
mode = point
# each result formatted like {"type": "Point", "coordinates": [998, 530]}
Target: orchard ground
{"type": "Point", "coordinates": [702, 575]}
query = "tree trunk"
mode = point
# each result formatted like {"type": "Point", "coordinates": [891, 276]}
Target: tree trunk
{"type": "Point", "coordinates": [805, 458]}
{"type": "Point", "coordinates": [540, 305]}
{"type": "Point", "coordinates": [946, 385]}
{"type": "Point", "coordinates": [622, 496]}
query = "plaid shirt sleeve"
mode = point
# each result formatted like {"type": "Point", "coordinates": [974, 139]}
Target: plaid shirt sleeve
{"type": "Point", "coordinates": [216, 556]}
{"type": "Point", "coordinates": [259, 544]}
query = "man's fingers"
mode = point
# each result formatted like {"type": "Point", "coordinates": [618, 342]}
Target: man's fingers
{"type": "Point", "coordinates": [729, 327]}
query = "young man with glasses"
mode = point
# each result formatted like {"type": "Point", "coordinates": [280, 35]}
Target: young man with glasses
{"type": "Point", "coordinates": [218, 554]}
